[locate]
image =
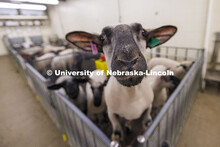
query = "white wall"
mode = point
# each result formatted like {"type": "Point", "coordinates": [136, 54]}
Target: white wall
{"type": "Point", "coordinates": [188, 15]}
{"type": "Point", "coordinates": [215, 27]}
{"type": "Point", "coordinates": [92, 15]}
{"type": "Point", "coordinates": [44, 30]}
{"type": "Point", "coordinates": [87, 15]}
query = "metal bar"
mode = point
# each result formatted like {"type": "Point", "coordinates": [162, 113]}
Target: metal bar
{"type": "Point", "coordinates": [197, 53]}
{"type": "Point", "coordinates": [158, 51]}
{"type": "Point", "coordinates": [167, 52]}
{"type": "Point", "coordinates": [175, 53]}
{"type": "Point", "coordinates": [184, 48]}
{"type": "Point", "coordinates": [186, 53]}
{"type": "Point", "coordinates": [170, 101]}
{"type": "Point", "coordinates": [85, 119]}
{"type": "Point", "coordinates": [183, 57]}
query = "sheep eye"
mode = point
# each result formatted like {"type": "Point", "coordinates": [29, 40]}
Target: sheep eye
{"type": "Point", "coordinates": [143, 33]}
{"type": "Point", "coordinates": [102, 38]}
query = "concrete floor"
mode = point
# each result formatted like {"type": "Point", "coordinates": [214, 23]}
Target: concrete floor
{"type": "Point", "coordinates": [23, 121]}
{"type": "Point", "coordinates": [202, 128]}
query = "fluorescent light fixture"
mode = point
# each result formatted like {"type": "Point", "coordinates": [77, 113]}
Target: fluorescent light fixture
{"type": "Point", "coordinates": [8, 6]}
{"type": "Point", "coordinates": [32, 7]}
{"type": "Point", "coordinates": [49, 2]}
{"type": "Point", "coordinates": [22, 6]}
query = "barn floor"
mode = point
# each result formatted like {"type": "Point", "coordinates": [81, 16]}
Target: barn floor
{"type": "Point", "coordinates": [202, 128]}
{"type": "Point", "coordinates": [23, 121]}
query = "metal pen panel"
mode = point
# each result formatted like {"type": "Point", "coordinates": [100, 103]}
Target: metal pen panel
{"type": "Point", "coordinates": [81, 132]}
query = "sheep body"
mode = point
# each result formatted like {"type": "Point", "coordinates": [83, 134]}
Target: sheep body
{"type": "Point", "coordinates": [31, 51]}
{"type": "Point", "coordinates": [59, 62]}
{"type": "Point", "coordinates": [115, 95]}
{"type": "Point", "coordinates": [174, 66]}
{"type": "Point", "coordinates": [43, 62]}
{"type": "Point", "coordinates": [70, 60]}
{"type": "Point", "coordinates": [49, 48]}
{"type": "Point", "coordinates": [159, 86]}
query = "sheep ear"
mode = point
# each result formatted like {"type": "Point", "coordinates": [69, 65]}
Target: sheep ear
{"type": "Point", "coordinates": [55, 86]}
{"type": "Point", "coordinates": [160, 35]}
{"type": "Point", "coordinates": [84, 40]}
{"type": "Point", "coordinates": [175, 80]}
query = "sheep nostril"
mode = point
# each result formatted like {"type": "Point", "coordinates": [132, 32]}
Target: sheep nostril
{"type": "Point", "coordinates": [128, 62]}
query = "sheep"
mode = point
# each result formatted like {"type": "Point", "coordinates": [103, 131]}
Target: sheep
{"type": "Point", "coordinates": [71, 60]}
{"type": "Point", "coordinates": [159, 85]}
{"type": "Point", "coordinates": [31, 51]}
{"type": "Point", "coordinates": [179, 69]}
{"type": "Point", "coordinates": [27, 45]}
{"type": "Point", "coordinates": [54, 49]}
{"type": "Point", "coordinates": [187, 64]}
{"type": "Point", "coordinates": [74, 89]}
{"type": "Point", "coordinates": [129, 97]}
{"type": "Point", "coordinates": [43, 62]}
{"type": "Point", "coordinates": [95, 95]}
{"type": "Point", "coordinates": [65, 60]}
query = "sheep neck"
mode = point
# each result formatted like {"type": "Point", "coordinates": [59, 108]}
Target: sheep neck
{"type": "Point", "coordinates": [156, 85]}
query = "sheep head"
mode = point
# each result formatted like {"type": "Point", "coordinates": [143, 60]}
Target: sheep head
{"type": "Point", "coordinates": [124, 47]}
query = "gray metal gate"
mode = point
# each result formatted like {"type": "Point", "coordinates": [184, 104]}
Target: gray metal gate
{"type": "Point", "coordinates": [81, 132]}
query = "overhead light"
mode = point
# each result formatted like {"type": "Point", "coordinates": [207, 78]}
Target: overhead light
{"type": "Point", "coordinates": [22, 6]}
{"type": "Point", "coordinates": [49, 2]}
{"type": "Point", "coordinates": [9, 5]}
{"type": "Point", "coordinates": [32, 7]}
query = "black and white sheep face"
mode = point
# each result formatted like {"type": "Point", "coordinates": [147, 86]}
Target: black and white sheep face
{"type": "Point", "coordinates": [71, 87]}
{"type": "Point", "coordinates": [97, 91]}
{"type": "Point", "coordinates": [169, 81]}
{"type": "Point", "coordinates": [124, 47]}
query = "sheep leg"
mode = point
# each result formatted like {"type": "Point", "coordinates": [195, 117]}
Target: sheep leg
{"type": "Point", "coordinates": [147, 120]}
{"type": "Point", "coordinates": [128, 126]}
{"type": "Point", "coordinates": [117, 129]}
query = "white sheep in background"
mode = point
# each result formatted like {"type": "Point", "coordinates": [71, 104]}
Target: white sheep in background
{"type": "Point", "coordinates": [187, 64]}
{"type": "Point", "coordinates": [69, 57]}
{"type": "Point", "coordinates": [128, 97]}
{"type": "Point", "coordinates": [159, 85]}
{"type": "Point", "coordinates": [31, 51]}
{"type": "Point", "coordinates": [95, 95]}
{"type": "Point", "coordinates": [49, 48]}
{"type": "Point", "coordinates": [179, 69]}
{"type": "Point", "coordinates": [74, 89]}
{"type": "Point", "coordinates": [42, 63]}
{"type": "Point", "coordinates": [70, 60]}
{"type": "Point", "coordinates": [65, 60]}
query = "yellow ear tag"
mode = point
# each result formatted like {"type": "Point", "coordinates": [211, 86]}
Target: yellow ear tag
{"type": "Point", "coordinates": [64, 137]}
{"type": "Point", "coordinates": [37, 97]}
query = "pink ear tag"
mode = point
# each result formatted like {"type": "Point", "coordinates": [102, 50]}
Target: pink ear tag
{"type": "Point", "coordinates": [94, 48]}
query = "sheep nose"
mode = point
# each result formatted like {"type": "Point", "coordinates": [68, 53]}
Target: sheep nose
{"type": "Point", "coordinates": [128, 63]}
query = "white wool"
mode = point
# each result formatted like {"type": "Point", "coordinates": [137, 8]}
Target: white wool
{"type": "Point", "coordinates": [179, 71]}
